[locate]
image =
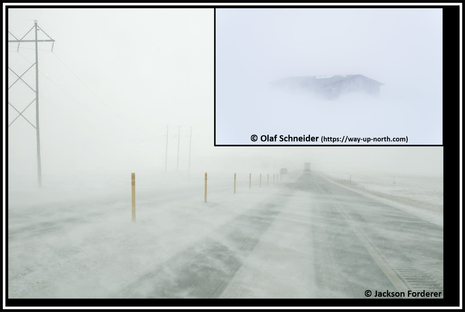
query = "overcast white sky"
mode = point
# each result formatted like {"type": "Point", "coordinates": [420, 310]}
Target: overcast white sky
{"type": "Point", "coordinates": [142, 70]}
{"type": "Point", "coordinates": [118, 77]}
{"type": "Point", "coordinates": [401, 48]}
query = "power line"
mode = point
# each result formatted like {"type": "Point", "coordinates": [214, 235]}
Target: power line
{"type": "Point", "coordinates": [87, 87]}
{"type": "Point", "coordinates": [79, 79]}
{"type": "Point", "coordinates": [96, 96]}
{"type": "Point", "coordinates": [72, 98]}
{"type": "Point", "coordinates": [86, 121]}
{"type": "Point", "coordinates": [55, 84]}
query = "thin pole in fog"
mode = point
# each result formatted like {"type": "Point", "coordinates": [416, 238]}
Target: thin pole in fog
{"type": "Point", "coordinates": [190, 145]}
{"type": "Point", "coordinates": [39, 163]}
{"type": "Point", "coordinates": [179, 140]}
{"type": "Point", "coordinates": [166, 154]}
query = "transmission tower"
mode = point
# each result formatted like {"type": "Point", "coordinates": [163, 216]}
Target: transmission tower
{"type": "Point", "coordinates": [36, 28]}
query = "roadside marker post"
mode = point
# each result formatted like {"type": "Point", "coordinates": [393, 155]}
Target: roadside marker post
{"type": "Point", "coordinates": [205, 195]}
{"type": "Point", "coordinates": [234, 183]}
{"type": "Point", "coordinates": [133, 191]}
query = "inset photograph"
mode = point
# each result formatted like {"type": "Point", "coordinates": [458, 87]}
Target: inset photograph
{"type": "Point", "coordinates": [311, 76]}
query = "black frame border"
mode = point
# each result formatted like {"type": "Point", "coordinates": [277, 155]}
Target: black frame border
{"type": "Point", "coordinates": [452, 192]}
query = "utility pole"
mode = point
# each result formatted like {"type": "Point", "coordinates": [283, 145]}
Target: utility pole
{"type": "Point", "coordinates": [190, 145]}
{"type": "Point", "coordinates": [166, 154]}
{"type": "Point", "coordinates": [179, 140]}
{"type": "Point", "coordinates": [36, 41]}
{"type": "Point", "coordinates": [39, 162]}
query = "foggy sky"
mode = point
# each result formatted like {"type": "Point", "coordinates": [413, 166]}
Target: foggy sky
{"type": "Point", "coordinates": [118, 77]}
{"type": "Point", "coordinates": [401, 48]}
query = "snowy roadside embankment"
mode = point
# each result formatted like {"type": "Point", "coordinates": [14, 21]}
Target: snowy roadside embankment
{"type": "Point", "coordinates": [416, 195]}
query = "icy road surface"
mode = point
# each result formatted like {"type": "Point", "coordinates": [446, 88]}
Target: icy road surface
{"type": "Point", "coordinates": [305, 237]}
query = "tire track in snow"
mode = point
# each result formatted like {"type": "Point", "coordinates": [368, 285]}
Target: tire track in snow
{"type": "Point", "coordinates": [205, 270]}
{"type": "Point", "coordinates": [407, 249]}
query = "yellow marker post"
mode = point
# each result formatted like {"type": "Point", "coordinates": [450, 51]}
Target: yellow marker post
{"type": "Point", "coordinates": [234, 183]}
{"type": "Point", "coordinates": [133, 187]}
{"type": "Point", "coordinates": [250, 181]}
{"type": "Point", "coordinates": [205, 187]}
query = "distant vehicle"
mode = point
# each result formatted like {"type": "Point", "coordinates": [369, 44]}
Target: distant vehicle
{"type": "Point", "coordinates": [307, 168]}
{"type": "Point", "coordinates": [283, 171]}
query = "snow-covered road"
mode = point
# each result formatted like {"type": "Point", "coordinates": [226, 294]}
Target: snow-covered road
{"type": "Point", "coordinates": [306, 237]}
{"type": "Point", "coordinates": [331, 242]}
